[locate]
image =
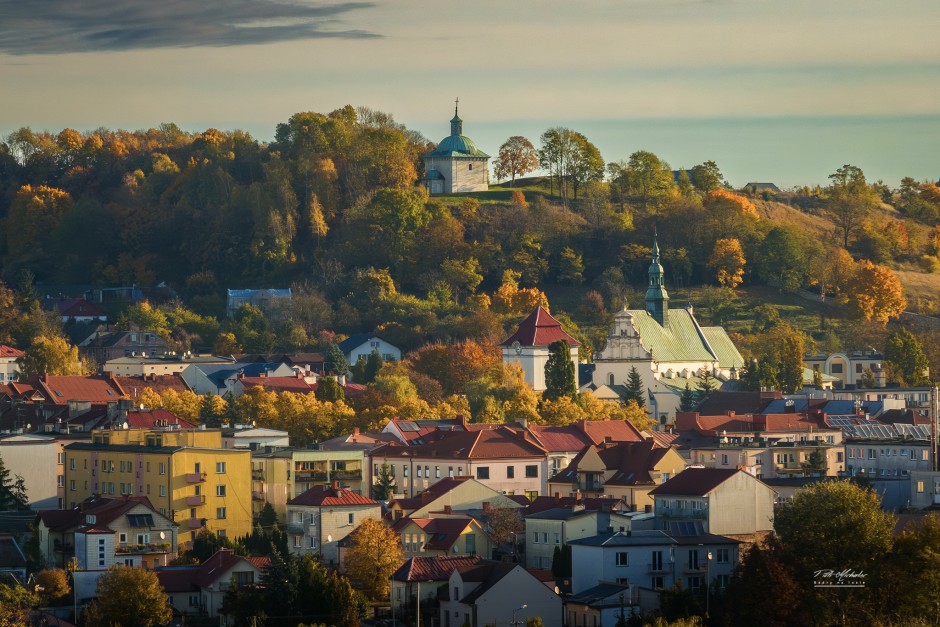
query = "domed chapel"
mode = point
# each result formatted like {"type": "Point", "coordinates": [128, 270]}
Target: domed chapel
{"type": "Point", "coordinates": [456, 165]}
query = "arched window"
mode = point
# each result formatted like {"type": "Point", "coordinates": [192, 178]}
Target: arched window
{"type": "Point", "coordinates": [470, 166]}
{"type": "Point", "coordinates": [610, 378]}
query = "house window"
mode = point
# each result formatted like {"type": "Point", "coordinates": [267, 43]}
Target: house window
{"type": "Point", "coordinates": [220, 490]}
{"type": "Point", "coordinates": [122, 538]}
{"type": "Point", "coordinates": [510, 472]}
{"type": "Point", "coordinates": [557, 538]}
{"type": "Point", "coordinates": [470, 166]}
{"type": "Point", "coordinates": [162, 490]}
{"type": "Point", "coordinates": [143, 538]}
{"type": "Point", "coordinates": [858, 368]}
{"type": "Point", "coordinates": [220, 468]}
{"type": "Point", "coordinates": [220, 513]}
{"type": "Point", "coordinates": [722, 581]}
{"type": "Point", "coordinates": [437, 472]}
{"type": "Point", "coordinates": [872, 454]}
{"type": "Point", "coordinates": [351, 517]}
{"type": "Point", "coordinates": [404, 470]}
{"type": "Point", "coordinates": [920, 487]}
{"type": "Point", "coordinates": [622, 558]}
{"type": "Point", "coordinates": [194, 600]}
{"type": "Point", "coordinates": [839, 457]}
{"type": "Point", "coordinates": [450, 471]}
{"type": "Point", "coordinates": [657, 583]}
{"type": "Point", "coordinates": [483, 472]}
{"type": "Point", "coordinates": [162, 468]}
{"type": "Point", "coordinates": [244, 579]}
{"type": "Point", "coordinates": [535, 537]}
{"type": "Point", "coordinates": [71, 485]}
{"type": "Point", "coordinates": [419, 471]}
{"type": "Point", "coordinates": [296, 542]}
{"type": "Point", "coordinates": [72, 463]}
{"type": "Point", "coordinates": [531, 471]}
{"type": "Point", "coordinates": [60, 481]}
{"type": "Point", "coordinates": [836, 368]}
{"type": "Point", "coordinates": [723, 556]}
{"type": "Point", "coordinates": [724, 460]}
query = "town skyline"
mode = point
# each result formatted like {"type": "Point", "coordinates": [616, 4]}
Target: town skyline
{"type": "Point", "coordinates": [787, 94]}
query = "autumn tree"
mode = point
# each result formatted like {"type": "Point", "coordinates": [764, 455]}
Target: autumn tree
{"type": "Point", "coordinates": [329, 390]}
{"type": "Point", "coordinates": [517, 157]}
{"type": "Point", "coordinates": [51, 355]}
{"type": "Point", "coordinates": [875, 293]}
{"type": "Point", "coordinates": [648, 178]}
{"type": "Point", "coordinates": [376, 553]}
{"type": "Point", "coordinates": [129, 596]}
{"type": "Point", "coordinates": [504, 523]}
{"type": "Point", "coordinates": [455, 365]}
{"type": "Point", "coordinates": [850, 200]}
{"type": "Point", "coordinates": [52, 585]}
{"type": "Point", "coordinates": [905, 359]}
{"type": "Point", "coordinates": [560, 375]}
{"type": "Point", "coordinates": [780, 352]}
{"type": "Point", "coordinates": [16, 602]}
{"type": "Point", "coordinates": [727, 260]}
{"type": "Point", "coordinates": [706, 177]}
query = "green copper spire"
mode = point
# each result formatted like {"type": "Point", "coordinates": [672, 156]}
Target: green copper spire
{"type": "Point", "coordinates": [456, 125]}
{"type": "Point", "coordinates": [657, 300]}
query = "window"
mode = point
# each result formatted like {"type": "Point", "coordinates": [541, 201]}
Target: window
{"type": "Point", "coordinates": [351, 517]}
{"type": "Point", "coordinates": [450, 471]}
{"type": "Point", "coordinates": [220, 533]}
{"type": "Point", "coordinates": [72, 463]}
{"type": "Point", "coordinates": [920, 487]}
{"type": "Point", "coordinates": [220, 490]}
{"type": "Point", "coordinates": [296, 541]}
{"type": "Point", "coordinates": [143, 538]}
{"type": "Point", "coordinates": [724, 460]}
{"type": "Point", "coordinates": [839, 457]}
{"type": "Point", "coordinates": [622, 558]}
{"type": "Point", "coordinates": [122, 538]}
{"type": "Point", "coordinates": [162, 468]}
{"type": "Point", "coordinates": [872, 454]}
{"type": "Point", "coordinates": [404, 470]}
{"type": "Point", "coordinates": [544, 537]}
{"type": "Point", "coordinates": [858, 368]}
{"type": "Point", "coordinates": [162, 490]}
{"type": "Point", "coordinates": [656, 564]}
{"type": "Point", "coordinates": [194, 600]}
{"type": "Point", "coordinates": [557, 538]}
{"type": "Point", "coordinates": [483, 472]}
{"type": "Point", "coordinates": [244, 579]}
{"type": "Point", "coordinates": [657, 583]}
{"type": "Point", "coordinates": [71, 485]}
{"type": "Point", "coordinates": [470, 166]}
{"type": "Point", "coordinates": [723, 556]}
{"type": "Point", "coordinates": [418, 472]}
{"type": "Point", "coordinates": [60, 481]}
{"type": "Point", "coordinates": [722, 581]}
{"type": "Point", "coordinates": [510, 472]}
{"type": "Point", "coordinates": [531, 471]}
{"type": "Point", "coordinates": [437, 472]}
{"type": "Point", "coordinates": [836, 368]}
{"type": "Point", "coordinates": [220, 513]}
{"type": "Point", "coordinates": [220, 468]}
{"type": "Point", "coordinates": [535, 537]}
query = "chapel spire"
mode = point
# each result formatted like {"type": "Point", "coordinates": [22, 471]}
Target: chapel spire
{"type": "Point", "coordinates": [456, 124]}
{"type": "Point", "coordinates": [657, 300]}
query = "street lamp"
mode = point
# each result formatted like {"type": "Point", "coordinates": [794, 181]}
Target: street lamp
{"type": "Point", "coordinates": [708, 562]}
{"type": "Point", "coordinates": [514, 623]}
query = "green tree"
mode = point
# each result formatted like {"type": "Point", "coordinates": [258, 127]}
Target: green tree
{"type": "Point", "coordinates": [517, 157]}
{"type": "Point", "coordinates": [836, 526]}
{"type": "Point", "coordinates": [329, 390]}
{"type": "Point", "coordinates": [570, 267]}
{"type": "Point", "coordinates": [13, 494]}
{"type": "Point", "coordinates": [561, 561]}
{"type": "Point", "coordinates": [911, 578]}
{"type": "Point", "coordinates": [706, 177]}
{"type": "Point", "coordinates": [705, 385]}
{"type": "Point", "coordinates": [905, 358]}
{"type": "Point", "coordinates": [15, 605]}
{"type": "Point", "coordinates": [335, 360]}
{"type": "Point", "coordinates": [648, 178]}
{"type": "Point", "coordinates": [783, 259]}
{"type": "Point", "coordinates": [850, 200]}
{"type": "Point", "coordinates": [766, 566]}
{"type": "Point", "coordinates": [635, 391]}
{"type": "Point", "coordinates": [687, 401]}
{"type": "Point", "coordinates": [384, 489]}
{"type": "Point", "coordinates": [559, 372]}
{"type": "Point", "coordinates": [130, 596]}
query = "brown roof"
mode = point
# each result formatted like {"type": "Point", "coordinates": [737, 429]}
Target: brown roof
{"type": "Point", "coordinates": [630, 461]}
{"type": "Point", "coordinates": [216, 566]}
{"type": "Point", "coordinates": [501, 442]}
{"type": "Point", "coordinates": [178, 578]}
{"type": "Point", "coordinates": [539, 329]}
{"type": "Point", "coordinates": [150, 418]}
{"type": "Point", "coordinates": [543, 503]}
{"type": "Point", "coordinates": [134, 386]}
{"type": "Point", "coordinates": [442, 533]}
{"type": "Point", "coordinates": [617, 430]}
{"type": "Point", "coordinates": [560, 438]}
{"type": "Point", "coordinates": [695, 482]}
{"type": "Point", "coordinates": [749, 423]}
{"type": "Point", "coordinates": [9, 351]}
{"type": "Point", "coordinates": [104, 509]}
{"type": "Point", "coordinates": [720, 403]}
{"type": "Point", "coordinates": [432, 493]}
{"type": "Point", "coordinates": [61, 390]}
{"type": "Point", "coordinates": [332, 495]}
{"type": "Point", "coordinates": [664, 438]}
{"type": "Point", "coordinates": [437, 568]}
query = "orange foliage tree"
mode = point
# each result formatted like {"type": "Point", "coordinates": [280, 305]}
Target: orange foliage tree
{"type": "Point", "coordinates": [876, 293]}
{"type": "Point", "coordinates": [727, 261]}
{"type": "Point", "coordinates": [455, 365]}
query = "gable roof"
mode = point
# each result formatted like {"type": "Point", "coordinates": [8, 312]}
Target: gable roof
{"type": "Point", "coordinates": [150, 418]}
{"type": "Point", "coordinates": [105, 510]}
{"type": "Point", "coordinates": [681, 339]}
{"type": "Point", "coordinates": [719, 403]}
{"type": "Point", "coordinates": [442, 533]}
{"type": "Point", "coordinates": [278, 384]}
{"type": "Point", "coordinates": [489, 573]}
{"type": "Point", "coordinates": [539, 329]}
{"type": "Point", "coordinates": [221, 563]}
{"type": "Point", "coordinates": [495, 443]}
{"type": "Point", "coordinates": [437, 568]}
{"type": "Point", "coordinates": [62, 389]}
{"type": "Point", "coordinates": [332, 496]}
{"type": "Point", "coordinates": [630, 461]}
{"type": "Point", "coordinates": [543, 503]}
{"type": "Point", "coordinates": [695, 482]}
{"type": "Point", "coordinates": [10, 352]}
{"type": "Point", "coordinates": [358, 339]}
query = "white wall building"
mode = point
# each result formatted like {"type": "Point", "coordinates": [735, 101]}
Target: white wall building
{"type": "Point", "coordinates": [528, 346]}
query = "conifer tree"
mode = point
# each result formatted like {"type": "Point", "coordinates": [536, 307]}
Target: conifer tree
{"type": "Point", "coordinates": [559, 372]}
{"type": "Point", "coordinates": [635, 388]}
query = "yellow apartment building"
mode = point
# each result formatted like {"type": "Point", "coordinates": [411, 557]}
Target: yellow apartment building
{"type": "Point", "coordinates": [186, 474]}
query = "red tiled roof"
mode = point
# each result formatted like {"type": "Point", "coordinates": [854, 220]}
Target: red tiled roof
{"type": "Point", "coordinates": [104, 509]}
{"type": "Point", "coordinates": [150, 418]}
{"type": "Point", "coordinates": [9, 351]}
{"type": "Point", "coordinates": [501, 442]}
{"type": "Point", "coordinates": [61, 390]}
{"type": "Point", "coordinates": [560, 438]}
{"type": "Point", "coordinates": [748, 423]}
{"type": "Point", "coordinates": [664, 438]}
{"type": "Point", "coordinates": [329, 495]}
{"type": "Point", "coordinates": [78, 307]}
{"type": "Point", "coordinates": [259, 562]}
{"type": "Point", "coordinates": [134, 386]}
{"type": "Point", "coordinates": [437, 568]}
{"type": "Point", "coordinates": [539, 329]}
{"type": "Point", "coordinates": [442, 532]}
{"type": "Point", "coordinates": [695, 482]}
{"type": "Point", "coordinates": [216, 566]}
{"type": "Point", "coordinates": [631, 462]}
{"type": "Point", "coordinates": [432, 493]}
{"type": "Point", "coordinates": [617, 430]}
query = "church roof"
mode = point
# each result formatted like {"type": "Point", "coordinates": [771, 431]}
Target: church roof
{"type": "Point", "coordinates": [457, 146]}
{"type": "Point", "coordinates": [539, 329]}
{"type": "Point", "coordinates": [682, 339]}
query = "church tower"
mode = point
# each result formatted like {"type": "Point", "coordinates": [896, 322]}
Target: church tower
{"type": "Point", "coordinates": [456, 165]}
{"type": "Point", "coordinates": [657, 300]}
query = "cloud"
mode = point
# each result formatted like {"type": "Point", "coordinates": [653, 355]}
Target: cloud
{"type": "Point", "coordinates": [62, 26]}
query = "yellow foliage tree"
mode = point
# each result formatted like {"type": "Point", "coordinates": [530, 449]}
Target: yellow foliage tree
{"type": "Point", "coordinates": [185, 404]}
{"type": "Point", "coordinates": [876, 293]}
{"type": "Point", "coordinates": [376, 553]}
{"type": "Point", "coordinates": [728, 262]}
{"type": "Point", "coordinates": [51, 355]}
{"type": "Point", "coordinates": [723, 199]}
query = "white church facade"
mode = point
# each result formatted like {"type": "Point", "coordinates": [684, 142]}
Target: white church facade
{"type": "Point", "coordinates": [528, 346]}
{"type": "Point", "coordinates": [667, 347]}
{"type": "Point", "coordinates": [456, 165]}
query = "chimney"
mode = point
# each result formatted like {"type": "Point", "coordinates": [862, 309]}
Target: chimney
{"type": "Point", "coordinates": [341, 379]}
{"type": "Point", "coordinates": [462, 420]}
{"type": "Point", "coordinates": [335, 485]}
{"type": "Point", "coordinates": [448, 510]}
{"type": "Point", "coordinates": [355, 431]}
{"type": "Point", "coordinates": [730, 413]}
{"type": "Point", "coordinates": [577, 496]}
{"type": "Point", "coordinates": [486, 507]}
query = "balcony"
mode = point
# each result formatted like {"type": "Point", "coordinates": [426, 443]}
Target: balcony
{"type": "Point", "coordinates": [660, 569]}
{"type": "Point", "coordinates": [696, 568]}
{"type": "Point", "coordinates": [310, 475]}
{"type": "Point", "coordinates": [295, 527]}
{"type": "Point", "coordinates": [196, 477]}
{"type": "Point", "coordinates": [257, 474]}
{"type": "Point", "coordinates": [257, 496]}
{"type": "Point", "coordinates": [194, 523]}
{"type": "Point", "coordinates": [347, 475]}
{"type": "Point", "coordinates": [195, 500]}
{"type": "Point", "coordinates": [137, 549]}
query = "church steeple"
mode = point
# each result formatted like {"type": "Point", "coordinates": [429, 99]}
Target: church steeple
{"type": "Point", "coordinates": [657, 300]}
{"type": "Point", "coordinates": [456, 125]}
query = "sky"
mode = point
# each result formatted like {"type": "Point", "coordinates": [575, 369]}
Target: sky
{"type": "Point", "coordinates": [780, 91]}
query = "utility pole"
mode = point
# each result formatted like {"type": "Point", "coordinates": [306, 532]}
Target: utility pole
{"type": "Point", "coordinates": [934, 399]}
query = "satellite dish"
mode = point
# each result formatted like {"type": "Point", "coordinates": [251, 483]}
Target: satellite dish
{"type": "Point", "coordinates": [163, 535]}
